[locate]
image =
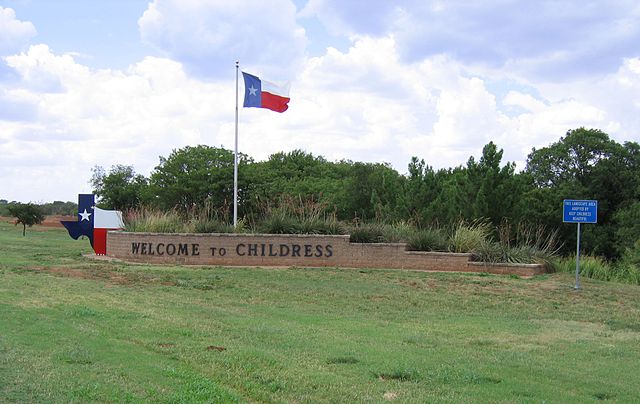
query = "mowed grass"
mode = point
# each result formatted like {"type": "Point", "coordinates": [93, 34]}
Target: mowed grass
{"type": "Point", "coordinates": [73, 329]}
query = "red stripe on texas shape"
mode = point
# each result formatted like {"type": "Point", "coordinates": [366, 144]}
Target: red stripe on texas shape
{"type": "Point", "coordinates": [100, 241]}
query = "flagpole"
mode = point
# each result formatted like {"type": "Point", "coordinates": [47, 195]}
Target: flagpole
{"type": "Point", "coordinates": [235, 158]}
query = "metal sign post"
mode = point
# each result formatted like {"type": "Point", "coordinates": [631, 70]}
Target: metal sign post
{"type": "Point", "coordinates": [579, 211]}
{"type": "Point", "coordinates": [577, 286]}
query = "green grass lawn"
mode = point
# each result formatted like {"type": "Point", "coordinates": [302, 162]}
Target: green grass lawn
{"type": "Point", "coordinates": [73, 329]}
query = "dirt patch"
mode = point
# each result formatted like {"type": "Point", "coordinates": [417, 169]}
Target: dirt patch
{"type": "Point", "coordinates": [97, 274]}
{"type": "Point", "coordinates": [66, 272]}
{"type": "Point", "coordinates": [49, 221]}
{"type": "Point", "coordinates": [420, 284]}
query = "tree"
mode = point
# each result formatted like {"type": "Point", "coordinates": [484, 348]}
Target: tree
{"type": "Point", "coordinates": [299, 174]}
{"type": "Point", "coordinates": [191, 176]}
{"type": "Point", "coordinates": [59, 208]}
{"type": "Point", "coordinates": [481, 189]}
{"type": "Point", "coordinates": [424, 194]}
{"type": "Point", "coordinates": [627, 232]}
{"type": "Point", "coordinates": [3, 207]}
{"type": "Point", "coordinates": [296, 174]}
{"type": "Point", "coordinates": [587, 164]}
{"type": "Point", "coordinates": [27, 214]}
{"type": "Point", "coordinates": [121, 189]}
{"type": "Point", "coordinates": [572, 159]}
{"type": "Point", "coordinates": [490, 188]}
{"type": "Point", "coordinates": [372, 191]}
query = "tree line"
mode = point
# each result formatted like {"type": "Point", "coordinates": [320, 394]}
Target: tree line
{"type": "Point", "coordinates": [58, 208]}
{"type": "Point", "coordinates": [582, 164]}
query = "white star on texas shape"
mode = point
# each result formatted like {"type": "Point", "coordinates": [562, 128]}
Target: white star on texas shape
{"type": "Point", "coordinates": [252, 91]}
{"type": "Point", "coordinates": [85, 215]}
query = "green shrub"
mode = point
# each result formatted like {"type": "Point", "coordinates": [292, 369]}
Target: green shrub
{"type": "Point", "coordinates": [212, 226]}
{"type": "Point", "coordinates": [367, 233]}
{"type": "Point", "coordinates": [333, 226]}
{"type": "Point", "coordinates": [631, 256]}
{"type": "Point", "coordinates": [298, 216]}
{"type": "Point", "coordinates": [627, 273]}
{"type": "Point", "coordinates": [197, 220]}
{"type": "Point", "coordinates": [321, 226]}
{"type": "Point", "coordinates": [284, 224]}
{"type": "Point", "coordinates": [428, 240]}
{"type": "Point", "coordinates": [629, 266]}
{"type": "Point", "coordinates": [400, 232]}
{"type": "Point", "coordinates": [309, 226]}
{"type": "Point", "coordinates": [279, 223]}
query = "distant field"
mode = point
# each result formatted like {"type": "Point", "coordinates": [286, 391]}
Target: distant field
{"type": "Point", "coordinates": [74, 329]}
{"type": "Point", "coordinates": [49, 221]}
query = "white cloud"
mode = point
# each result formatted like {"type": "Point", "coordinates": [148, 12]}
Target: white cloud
{"type": "Point", "coordinates": [525, 101]}
{"type": "Point", "coordinates": [554, 40]}
{"type": "Point", "coordinates": [14, 34]}
{"type": "Point", "coordinates": [41, 71]}
{"type": "Point", "coordinates": [102, 117]}
{"type": "Point", "coordinates": [58, 118]}
{"type": "Point", "coordinates": [208, 36]}
{"type": "Point", "coordinates": [615, 96]}
{"type": "Point", "coordinates": [354, 17]}
{"type": "Point", "coordinates": [385, 110]}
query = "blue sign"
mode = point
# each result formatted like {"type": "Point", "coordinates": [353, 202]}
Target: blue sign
{"type": "Point", "coordinates": [575, 211]}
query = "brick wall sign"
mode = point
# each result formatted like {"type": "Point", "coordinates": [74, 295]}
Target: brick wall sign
{"type": "Point", "coordinates": [291, 250]}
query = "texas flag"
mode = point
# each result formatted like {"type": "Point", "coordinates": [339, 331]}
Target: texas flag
{"type": "Point", "coordinates": [263, 94]}
{"type": "Point", "coordinates": [94, 223]}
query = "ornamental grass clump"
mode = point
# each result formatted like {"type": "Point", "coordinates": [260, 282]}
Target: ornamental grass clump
{"type": "Point", "coordinates": [398, 232]}
{"type": "Point", "coordinates": [528, 244]}
{"type": "Point", "coordinates": [499, 253]}
{"type": "Point", "coordinates": [470, 237]}
{"type": "Point", "coordinates": [491, 252]}
{"type": "Point", "coordinates": [155, 221]}
{"type": "Point", "coordinates": [523, 244]}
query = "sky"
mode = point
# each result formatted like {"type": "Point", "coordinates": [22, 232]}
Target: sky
{"type": "Point", "coordinates": [87, 83]}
